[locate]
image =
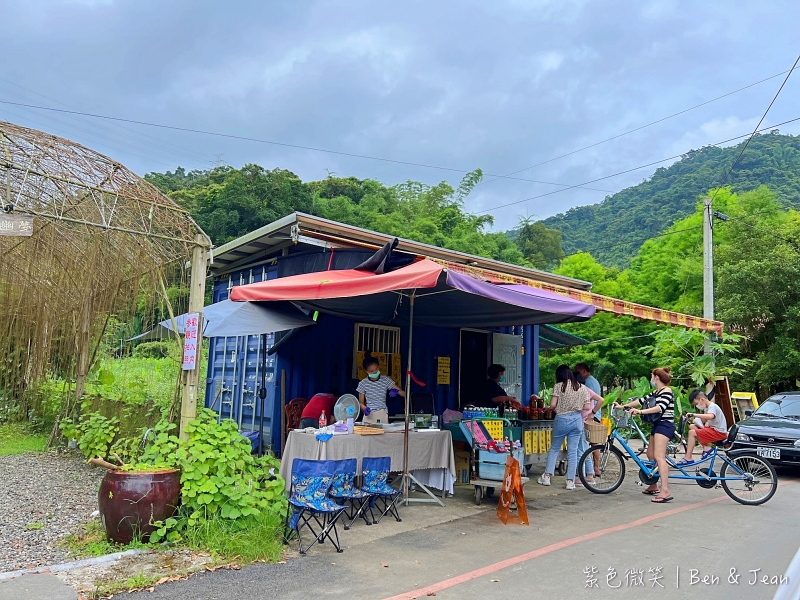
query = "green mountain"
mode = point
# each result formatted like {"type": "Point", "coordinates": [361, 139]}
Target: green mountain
{"type": "Point", "coordinates": [613, 230]}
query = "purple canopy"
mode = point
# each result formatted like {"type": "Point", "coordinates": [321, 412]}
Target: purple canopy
{"type": "Point", "coordinates": [458, 300]}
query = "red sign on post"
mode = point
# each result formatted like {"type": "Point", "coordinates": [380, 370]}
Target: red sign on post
{"type": "Point", "coordinates": [190, 341]}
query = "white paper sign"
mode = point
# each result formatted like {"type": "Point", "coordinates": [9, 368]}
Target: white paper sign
{"type": "Point", "coordinates": [190, 341]}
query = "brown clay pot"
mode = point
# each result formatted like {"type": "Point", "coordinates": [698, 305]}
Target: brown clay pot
{"type": "Point", "coordinates": [131, 502]}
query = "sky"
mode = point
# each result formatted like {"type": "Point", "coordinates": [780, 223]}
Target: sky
{"type": "Point", "coordinates": [456, 85]}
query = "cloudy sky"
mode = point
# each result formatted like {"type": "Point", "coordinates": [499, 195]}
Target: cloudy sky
{"type": "Point", "coordinates": [500, 85]}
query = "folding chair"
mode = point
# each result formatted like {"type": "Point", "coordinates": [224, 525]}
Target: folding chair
{"type": "Point", "coordinates": [376, 474]}
{"type": "Point", "coordinates": [309, 503]}
{"type": "Point", "coordinates": [344, 491]}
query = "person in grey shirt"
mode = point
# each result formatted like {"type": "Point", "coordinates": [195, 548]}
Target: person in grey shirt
{"type": "Point", "coordinates": [590, 382]}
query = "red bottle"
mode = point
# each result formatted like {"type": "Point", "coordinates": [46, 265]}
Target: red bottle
{"type": "Point", "coordinates": [323, 420]}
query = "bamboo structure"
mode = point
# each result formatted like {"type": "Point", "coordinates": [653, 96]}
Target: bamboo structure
{"type": "Point", "coordinates": [98, 230]}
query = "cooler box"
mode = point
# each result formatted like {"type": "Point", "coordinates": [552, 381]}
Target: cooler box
{"type": "Point", "coordinates": [492, 465]}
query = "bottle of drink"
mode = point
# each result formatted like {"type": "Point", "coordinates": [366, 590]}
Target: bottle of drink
{"type": "Point", "coordinates": [323, 420]}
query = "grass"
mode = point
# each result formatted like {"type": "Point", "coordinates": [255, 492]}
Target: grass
{"type": "Point", "coordinates": [91, 541]}
{"type": "Point", "coordinates": [16, 438]}
{"type": "Point", "coordinates": [244, 540]}
{"type": "Point", "coordinates": [137, 582]}
{"type": "Point", "coordinates": [34, 526]}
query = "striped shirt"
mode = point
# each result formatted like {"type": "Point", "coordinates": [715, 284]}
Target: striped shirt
{"type": "Point", "coordinates": [375, 390]}
{"type": "Point", "coordinates": [665, 400]}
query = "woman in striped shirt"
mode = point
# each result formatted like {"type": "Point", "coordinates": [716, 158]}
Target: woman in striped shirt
{"type": "Point", "coordinates": [662, 431]}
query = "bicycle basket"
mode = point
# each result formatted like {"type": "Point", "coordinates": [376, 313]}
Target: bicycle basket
{"type": "Point", "coordinates": [621, 417]}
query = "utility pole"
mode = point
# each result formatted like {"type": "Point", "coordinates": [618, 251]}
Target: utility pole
{"type": "Point", "coordinates": [708, 265]}
{"type": "Point", "coordinates": [197, 292]}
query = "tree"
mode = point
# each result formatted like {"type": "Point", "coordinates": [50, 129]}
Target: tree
{"type": "Point", "coordinates": [540, 246]}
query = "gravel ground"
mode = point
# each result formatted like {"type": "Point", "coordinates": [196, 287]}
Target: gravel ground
{"type": "Point", "coordinates": [58, 491]}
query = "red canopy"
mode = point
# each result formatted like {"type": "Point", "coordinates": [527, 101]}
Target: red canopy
{"type": "Point", "coordinates": [340, 284]}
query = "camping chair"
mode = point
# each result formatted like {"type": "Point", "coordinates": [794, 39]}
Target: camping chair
{"type": "Point", "coordinates": [309, 503]}
{"type": "Point", "coordinates": [376, 474]}
{"type": "Point", "coordinates": [294, 410]}
{"type": "Point", "coordinates": [344, 491]}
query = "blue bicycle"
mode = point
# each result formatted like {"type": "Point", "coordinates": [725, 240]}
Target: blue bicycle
{"type": "Point", "coordinates": [746, 478]}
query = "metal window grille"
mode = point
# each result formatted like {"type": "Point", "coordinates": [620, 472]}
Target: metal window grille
{"type": "Point", "coordinates": [375, 338]}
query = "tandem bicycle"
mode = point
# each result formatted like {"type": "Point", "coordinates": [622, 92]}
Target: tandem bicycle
{"type": "Point", "coordinates": [746, 478]}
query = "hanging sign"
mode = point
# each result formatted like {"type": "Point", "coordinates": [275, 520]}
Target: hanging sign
{"type": "Point", "coordinates": [512, 488]}
{"type": "Point", "coordinates": [443, 370]}
{"type": "Point", "coordinates": [16, 225]}
{"type": "Point", "coordinates": [190, 341]}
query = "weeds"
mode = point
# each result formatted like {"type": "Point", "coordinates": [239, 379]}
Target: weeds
{"type": "Point", "coordinates": [131, 584]}
{"type": "Point", "coordinates": [34, 526]}
{"type": "Point", "coordinates": [16, 438]}
{"type": "Point", "coordinates": [248, 539]}
{"type": "Point", "coordinates": [92, 541]}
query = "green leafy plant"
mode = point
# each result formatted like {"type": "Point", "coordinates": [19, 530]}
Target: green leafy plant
{"type": "Point", "coordinates": [683, 350]}
{"type": "Point", "coordinates": [94, 433]}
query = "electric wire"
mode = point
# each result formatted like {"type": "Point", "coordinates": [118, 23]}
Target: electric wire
{"type": "Point", "coordinates": [650, 164]}
{"type": "Point", "coordinates": [644, 126]}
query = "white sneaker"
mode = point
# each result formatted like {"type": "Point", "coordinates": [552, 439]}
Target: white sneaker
{"type": "Point", "coordinates": [570, 484]}
{"type": "Point", "coordinates": [544, 480]}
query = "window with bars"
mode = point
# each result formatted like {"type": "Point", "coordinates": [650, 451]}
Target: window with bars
{"type": "Point", "coordinates": [382, 341]}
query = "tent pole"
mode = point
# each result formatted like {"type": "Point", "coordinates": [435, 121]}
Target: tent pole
{"type": "Point", "coordinates": [408, 396]}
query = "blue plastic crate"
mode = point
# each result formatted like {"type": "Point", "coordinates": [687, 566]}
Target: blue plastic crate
{"type": "Point", "coordinates": [492, 465]}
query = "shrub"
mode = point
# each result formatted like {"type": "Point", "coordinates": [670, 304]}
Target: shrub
{"type": "Point", "coordinates": [154, 350]}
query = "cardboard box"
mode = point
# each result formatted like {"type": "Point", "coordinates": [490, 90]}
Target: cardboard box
{"type": "Point", "coordinates": [462, 468]}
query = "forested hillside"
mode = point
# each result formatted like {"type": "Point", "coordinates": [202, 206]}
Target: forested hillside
{"type": "Point", "coordinates": [228, 203]}
{"type": "Point", "coordinates": [614, 229]}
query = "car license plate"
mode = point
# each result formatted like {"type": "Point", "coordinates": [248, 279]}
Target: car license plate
{"type": "Point", "coordinates": [773, 453]}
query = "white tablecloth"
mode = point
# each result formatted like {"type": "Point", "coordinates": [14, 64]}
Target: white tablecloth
{"type": "Point", "coordinates": [430, 454]}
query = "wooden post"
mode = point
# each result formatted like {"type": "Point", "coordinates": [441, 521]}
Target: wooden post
{"type": "Point", "coordinates": [197, 293]}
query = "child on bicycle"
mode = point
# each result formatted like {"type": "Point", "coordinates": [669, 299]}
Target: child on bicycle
{"type": "Point", "coordinates": [709, 426]}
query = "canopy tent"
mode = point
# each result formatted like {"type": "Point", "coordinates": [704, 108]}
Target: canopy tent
{"type": "Point", "coordinates": [442, 298]}
{"type": "Point", "coordinates": [552, 338]}
{"type": "Point", "coordinates": [229, 319]}
{"type": "Point", "coordinates": [435, 296]}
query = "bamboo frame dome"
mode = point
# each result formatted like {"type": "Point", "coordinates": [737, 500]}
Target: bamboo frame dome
{"type": "Point", "coordinates": [98, 229]}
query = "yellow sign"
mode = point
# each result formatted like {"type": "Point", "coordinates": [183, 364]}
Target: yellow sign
{"type": "Point", "coordinates": [397, 375]}
{"type": "Point", "coordinates": [443, 370]}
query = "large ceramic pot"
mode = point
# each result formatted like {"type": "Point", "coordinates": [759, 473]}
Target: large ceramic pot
{"type": "Point", "coordinates": [131, 502]}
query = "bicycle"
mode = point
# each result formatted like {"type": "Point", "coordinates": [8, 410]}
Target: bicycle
{"type": "Point", "coordinates": [739, 475]}
{"type": "Point", "coordinates": [675, 446]}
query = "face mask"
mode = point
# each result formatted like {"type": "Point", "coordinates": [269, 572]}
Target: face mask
{"type": "Point", "coordinates": [652, 383]}
{"type": "Point", "coordinates": [374, 375]}
{"type": "Point", "coordinates": [502, 378]}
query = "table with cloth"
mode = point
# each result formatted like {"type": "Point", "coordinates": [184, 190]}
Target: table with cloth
{"type": "Point", "coordinates": [430, 453]}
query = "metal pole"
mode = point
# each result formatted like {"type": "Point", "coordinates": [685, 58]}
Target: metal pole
{"type": "Point", "coordinates": [408, 396]}
{"type": "Point", "coordinates": [262, 393]}
{"type": "Point", "coordinates": [708, 265]}
{"type": "Point", "coordinates": [197, 292]}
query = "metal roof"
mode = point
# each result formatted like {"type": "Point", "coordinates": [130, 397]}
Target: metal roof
{"type": "Point", "coordinates": [551, 338]}
{"type": "Point", "coordinates": [301, 229]}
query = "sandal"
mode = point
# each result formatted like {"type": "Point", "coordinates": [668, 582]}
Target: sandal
{"type": "Point", "coordinates": [661, 500]}
{"type": "Point", "coordinates": [650, 492]}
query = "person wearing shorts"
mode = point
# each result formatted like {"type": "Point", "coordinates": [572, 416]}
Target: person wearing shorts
{"type": "Point", "coordinates": [709, 426]}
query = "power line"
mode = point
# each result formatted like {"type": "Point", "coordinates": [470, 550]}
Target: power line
{"type": "Point", "coordinates": [724, 218]}
{"type": "Point", "coordinates": [629, 170]}
{"type": "Point", "coordinates": [645, 126]}
{"type": "Point", "coordinates": [764, 116]}
{"type": "Point", "coordinates": [286, 145]}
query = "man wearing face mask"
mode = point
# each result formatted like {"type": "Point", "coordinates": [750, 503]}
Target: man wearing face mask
{"type": "Point", "coordinates": [372, 392]}
{"type": "Point", "coordinates": [495, 393]}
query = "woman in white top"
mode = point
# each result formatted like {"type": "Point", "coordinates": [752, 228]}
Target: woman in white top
{"type": "Point", "coordinates": [569, 399]}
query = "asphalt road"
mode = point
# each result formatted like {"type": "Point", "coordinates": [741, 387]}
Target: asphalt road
{"type": "Point", "coordinates": [573, 537]}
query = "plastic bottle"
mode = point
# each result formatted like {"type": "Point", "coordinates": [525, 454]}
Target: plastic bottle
{"type": "Point", "coordinates": [323, 420]}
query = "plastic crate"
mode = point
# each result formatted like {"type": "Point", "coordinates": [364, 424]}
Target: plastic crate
{"type": "Point", "coordinates": [492, 465]}
{"type": "Point", "coordinates": [531, 441]}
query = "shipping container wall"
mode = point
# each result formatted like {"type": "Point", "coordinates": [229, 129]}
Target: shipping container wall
{"type": "Point", "coordinates": [235, 365]}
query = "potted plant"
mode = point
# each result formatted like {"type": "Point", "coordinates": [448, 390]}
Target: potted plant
{"type": "Point", "coordinates": [134, 497]}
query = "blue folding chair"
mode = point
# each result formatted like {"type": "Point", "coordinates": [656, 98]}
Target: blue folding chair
{"type": "Point", "coordinates": [344, 491]}
{"type": "Point", "coordinates": [309, 504]}
{"type": "Point", "coordinates": [376, 475]}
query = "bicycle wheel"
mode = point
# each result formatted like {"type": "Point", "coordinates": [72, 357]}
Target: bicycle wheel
{"type": "Point", "coordinates": [612, 469]}
{"type": "Point", "coordinates": [758, 484]}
